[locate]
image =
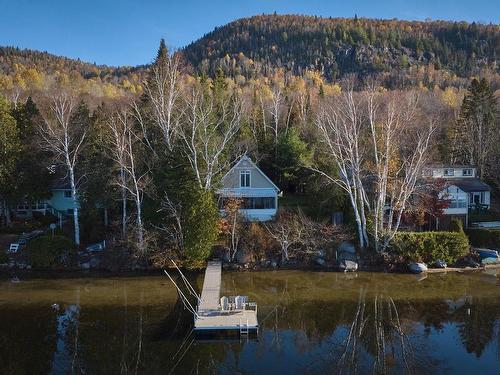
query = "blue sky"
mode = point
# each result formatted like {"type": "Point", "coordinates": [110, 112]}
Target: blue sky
{"type": "Point", "coordinates": [127, 32]}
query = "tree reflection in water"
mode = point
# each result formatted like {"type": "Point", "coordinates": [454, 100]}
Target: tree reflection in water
{"type": "Point", "coordinates": [378, 330]}
{"type": "Point", "coordinates": [310, 323]}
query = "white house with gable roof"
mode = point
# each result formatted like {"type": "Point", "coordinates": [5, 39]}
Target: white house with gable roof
{"type": "Point", "coordinates": [463, 190]}
{"type": "Point", "coordinates": [245, 180]}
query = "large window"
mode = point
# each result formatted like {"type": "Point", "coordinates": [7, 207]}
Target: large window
{"type": "Point", "coordinates": [257, 203]}
{"type": "Point", "coordinates": [67, 193]}
{"type": "Point", "coordinates": [449, 172]}
{"type": "Point", "coordinates": [260, 203]}
{"type": "Point", "coordinates": [244, 178]}
{"type": "Point", "coordinates": [467, 172]}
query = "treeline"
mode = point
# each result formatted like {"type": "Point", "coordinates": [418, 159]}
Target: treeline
{"type": "Point", "coordinates": [401, 53]}
{"type": "Point", "coordinates": [24, 71]}
{"type": "Point", "coordinates": [338, 46]}
{"type": "Point", "coordinates": [146, 167]}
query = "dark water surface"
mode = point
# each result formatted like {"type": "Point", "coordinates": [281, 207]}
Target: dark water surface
{"type": "Point", "coordinates": [311, 322]}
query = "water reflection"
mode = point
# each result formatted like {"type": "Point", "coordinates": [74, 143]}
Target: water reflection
{"type": "Point", "coordinates": [310, 323]}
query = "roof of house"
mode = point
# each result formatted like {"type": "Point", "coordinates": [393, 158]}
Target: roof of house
{"type": "Point", "coordinates": [247, 159]}
{"type": "Point", "coordinates": [450, 166]}
{"type": "Point", "coordinates": [61, 184]}
{"type": "Point", "coordinates": [470, 184]}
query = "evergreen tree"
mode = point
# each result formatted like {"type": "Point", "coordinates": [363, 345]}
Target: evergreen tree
{"type": "Point", "coordinates": [162, 53]}
{"type": "Point", "coordinates": [475, 135]}
{"type": "Point", "coordinates": [32, 179]}
{"type": "Point", "coordinates": [10, 149]}
{"type": "Point", "coordinates": [200, 227]}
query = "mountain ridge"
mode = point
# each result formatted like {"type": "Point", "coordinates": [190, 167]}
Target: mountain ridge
{"type": "Point", "coordinates": [261, 44]}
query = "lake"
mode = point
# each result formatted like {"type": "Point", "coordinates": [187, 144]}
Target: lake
{"type": "Point", "coordinates": [310, 323]}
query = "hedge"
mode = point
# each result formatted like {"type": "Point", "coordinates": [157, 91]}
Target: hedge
{"type": "Point", "coordinates": [431, 246]}
{"type": "Point", "coordinates": [48, 252]}
{"type": "Point", "coordinates": [484, 237]}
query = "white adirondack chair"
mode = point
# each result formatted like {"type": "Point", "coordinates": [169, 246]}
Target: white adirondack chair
{"type": "Point", "coordinates": [13, 247]}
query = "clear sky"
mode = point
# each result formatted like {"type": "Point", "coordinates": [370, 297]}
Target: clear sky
{"type": "Point", "coordinates": [127, 32]}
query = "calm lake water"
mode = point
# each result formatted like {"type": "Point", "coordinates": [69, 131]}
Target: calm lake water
{"type": "Point", "coordinates": [311, 322]}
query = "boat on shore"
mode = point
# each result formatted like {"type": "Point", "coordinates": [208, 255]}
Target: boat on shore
{"type": "Point", "coordinates": [417, 267]}
{"type": "Point", "coordinates": [347, 265]}
{"type": "Point", "coordinates": [486, 253]}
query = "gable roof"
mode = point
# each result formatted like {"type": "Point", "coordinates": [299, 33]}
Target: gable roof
{"type": "Point", "coordinates": [470, 185]}
{"type": "Point", "coordinates": [247, 159]}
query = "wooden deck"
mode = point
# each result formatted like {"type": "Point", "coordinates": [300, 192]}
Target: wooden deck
{"type": "Point", "coordinates": [246, 319]}
{"type": "Point", "coordinates": [210, 317]}
{"type": "Point", "coordinates": [210, 295]}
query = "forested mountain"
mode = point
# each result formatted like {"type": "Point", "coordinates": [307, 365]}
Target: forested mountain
{"type": "Point", "coordinates": [29, 70]}
{"type": "Point", "coordinates": [402, 53]}
{"type": "Point", "coordinates": [49, 63]}
{"type": "Point", "coordinates": [338, 46]}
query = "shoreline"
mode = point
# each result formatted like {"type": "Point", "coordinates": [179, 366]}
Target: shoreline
{"type": "Point", "coordinates": [79, 273]}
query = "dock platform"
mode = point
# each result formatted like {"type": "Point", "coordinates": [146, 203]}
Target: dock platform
{"type": "Point", "coordinates": [213, 316]}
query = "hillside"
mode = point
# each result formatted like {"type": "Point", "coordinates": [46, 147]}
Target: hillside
{"type": "Point", "coordinates": [29, 69]}
{"type": "Point", "coordinates": [407, 52]}
{"type": "Point", "coordinates": [340, 46]}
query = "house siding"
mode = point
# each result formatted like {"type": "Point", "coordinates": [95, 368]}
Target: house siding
{"type": "Point", "coordinates": [458, 172]}
{"type": "Point", "coordinates": [60, 202]}
{"type": "Point", "coordinates": [257, 180]}
{"type": "Point", "coordinates": [260, 186]}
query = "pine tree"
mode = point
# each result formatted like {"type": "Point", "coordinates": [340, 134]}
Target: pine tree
{"type": "Point", "coordinates": [162, 53]}
{"type": "Point", "coordinates": [32, 179]}
{"type": "Point", "coordinates": [475, 135]}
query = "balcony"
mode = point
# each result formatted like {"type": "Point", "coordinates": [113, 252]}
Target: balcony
{"type": "Point", "coordinates": [458, 204]}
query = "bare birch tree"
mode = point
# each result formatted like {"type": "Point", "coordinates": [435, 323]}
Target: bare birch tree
{"type": "Point", "coordinates": [65, 140]}
{"type": "Point", "coordinates": [288, 231]}
{"type": "Point", "coordinates": [375, 147]}
{"type": "Point", "coordinates": [134, 175]}
{"type": "Point", "coordinates": [118, 150]}
{"type": "Point", "coordinates": [232, 213]}
{"type": "Point", "coordinates": [341, 127]}
{"type": "Point", "coordinates": [208, 127]}
{"type": "Point", "coordinates": [399, 151]}
{"type": "Point", "coordinates": [162, 89]}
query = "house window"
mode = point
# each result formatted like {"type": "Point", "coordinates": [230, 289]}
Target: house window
{"type": "Point", "coordinates": [449, 172]}
{"type": "Point", "coordinates": [244, 178]}
{"type": "Point", "coordinates": [67, 193]}
{"type": "Point", "coordinates": [259, 203]}
{"type": "Point", "coordinates": [467, 172]}
{"type": "Point", "coordinates": [427, 172]}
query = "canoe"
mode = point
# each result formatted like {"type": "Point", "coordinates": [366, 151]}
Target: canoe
{"type": "Point", "coordinates": [417, 267]}
{"type": "Point", "coordinates": [487, 253]}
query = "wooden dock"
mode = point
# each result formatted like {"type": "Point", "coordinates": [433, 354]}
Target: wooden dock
{"type": "Point", "coordinates": [210, 295]}
{"type": "Point", "coordinates": [211, 316]}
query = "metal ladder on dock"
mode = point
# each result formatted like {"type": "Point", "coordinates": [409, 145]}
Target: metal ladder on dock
{"type": "Point", "coordinates": [244, 329]}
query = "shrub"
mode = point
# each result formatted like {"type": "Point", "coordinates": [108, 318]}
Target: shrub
{"type": "Point", "coordinates": [456, 225]}
{"type": "Point", "coordinates": [484, 237]}
{"type": "Point", "coordinates": [431, 246]}
{"type": "Point", "coordinates": [48, 252]}
{"type": "Point", "coordinates": [4, 258]}
{"type": "Point", "coordinates": [200, 227]}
